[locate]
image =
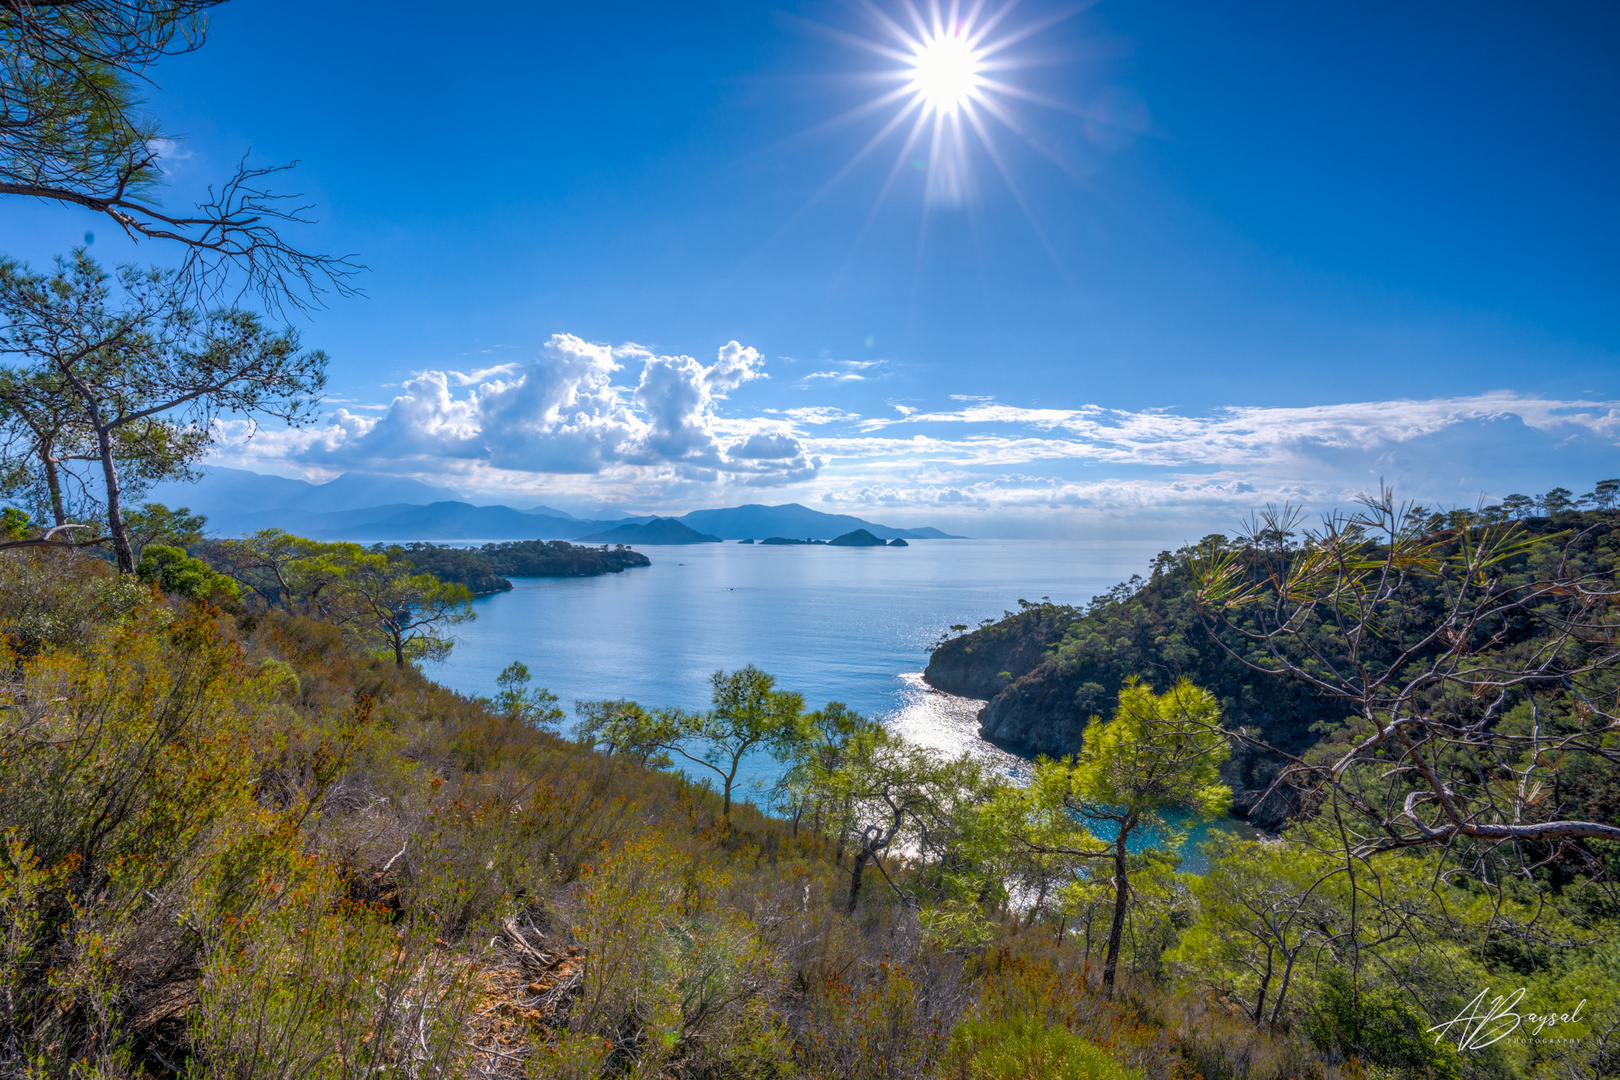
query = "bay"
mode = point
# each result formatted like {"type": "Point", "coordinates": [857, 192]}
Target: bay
{"type": "Point", "coordinates": [848, 624]}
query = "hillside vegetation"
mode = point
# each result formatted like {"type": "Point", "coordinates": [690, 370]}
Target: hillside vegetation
{"type": "Point", "coordinates": [484, 570]}
{"type": "Point", "coordinates": [1047, 669]}
{"type": "Point", "coordinates": [245, 836]}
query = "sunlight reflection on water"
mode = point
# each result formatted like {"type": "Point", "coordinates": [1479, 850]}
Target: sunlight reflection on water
{"type": "Point", "coordinates": [950, 725]}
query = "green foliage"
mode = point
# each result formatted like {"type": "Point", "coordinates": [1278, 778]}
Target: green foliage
{"type": "Point", "coordinates": [1266, 912]}
{"type": "Point", "coordinates": [49, 597]}
{"type": "Point", "coordinates": [381, 602]}
{"type": "Point", "coordinates": [1067, 664]}
{"type": "Point", "coordinates": [537, 707]}
{"type": "Point", "coordinates": [143, 372]}
{"type": "Point", "coordinates": [339, 988]}
{"type": "Point", "coordinates": [1158, 752]}
{"type": "Point", "coordinates": [340, 867]}
{"type": "Point", "coordinates": [1380, 1029]}
{"type": "Point", "coordinates": [621, 728]}
{"type": "Point", "coordinates": [748, 714]}
{"type": "Point", "coordinates": [71, 114]}
{"type": "Point", "coordinates": [155, 523]}
{"type": "Point", "coordinates": [557, 558]}
{"type": "Point", "coordinates": [14, 524]}
{"type": "Point", "coordinates": [1023, 1048]}
{"type": "Point", "coordinates": [872, 1028]}
{"type": "Point", "coordinates": [173, 571]}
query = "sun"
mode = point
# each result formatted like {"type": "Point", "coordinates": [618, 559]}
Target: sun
{"type": "Point", "coordinates": [945, 71]}
{"type": "Point", "coordinates": [948, 78]}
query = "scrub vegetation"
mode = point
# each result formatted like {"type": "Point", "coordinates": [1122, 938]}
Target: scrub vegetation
{"type": "Point", "coordinates": [245, 836]}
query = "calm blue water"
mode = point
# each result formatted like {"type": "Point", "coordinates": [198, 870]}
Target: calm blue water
{"type": "Point", "coordinates": [847, 624]}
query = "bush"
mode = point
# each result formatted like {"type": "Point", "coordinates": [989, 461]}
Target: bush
{"type": "Point", "coordinates": [176, 572]}
{"type": "Point", "coordinates": [1023, 1048]}
{"type": "Point", "coordinates": [53, 597]}
{"type": "Point", "coordinates": [1380, 1029]}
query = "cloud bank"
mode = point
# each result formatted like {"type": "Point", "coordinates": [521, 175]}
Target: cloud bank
{"type": "Point", "coordinates": [624, 425]}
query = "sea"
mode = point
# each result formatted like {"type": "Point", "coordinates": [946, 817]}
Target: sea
{"type": "Point", "coordinates": [854, 625]}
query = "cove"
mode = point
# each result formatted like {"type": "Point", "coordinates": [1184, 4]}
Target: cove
{"type": "Point", "coordinates": [847, 624]}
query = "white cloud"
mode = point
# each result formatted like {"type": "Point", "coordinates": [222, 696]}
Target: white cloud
{"type": "Point", "coordinates": [565, 412]}
{"type": "Point", "coordinates": [818, 414]}
{"type": "Point", "coordinates": [626, 424]}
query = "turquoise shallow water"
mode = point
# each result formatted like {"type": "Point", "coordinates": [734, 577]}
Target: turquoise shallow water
{"type": "Point", "coordinates": [847, 624]}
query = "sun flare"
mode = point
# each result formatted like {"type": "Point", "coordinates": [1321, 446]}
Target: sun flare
{"type": "Point", "coordinates": [945, 72]}
{"type": "Point", "coordinates": [950, 74]}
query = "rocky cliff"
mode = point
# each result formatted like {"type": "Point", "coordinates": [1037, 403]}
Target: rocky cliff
{"type": "Point", "coordinates": [983, 663]}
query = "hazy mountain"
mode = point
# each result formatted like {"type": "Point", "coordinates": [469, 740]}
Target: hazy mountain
{"type": "Point", "coordinates": [656, 531]}
{"type": "Point", "coordinates": [791, 519]}
{"type": "Point", "coordinates": [436, 521]}
{"type": "Point", "coordinates": [361, 506]}
{"type": "Point", "coordinates": [227, 494]}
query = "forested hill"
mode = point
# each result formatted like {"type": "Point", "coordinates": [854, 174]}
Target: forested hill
{"type": "Point", "coordinates": [484, 570]}
{"type": "Point", "coordinates": [1048, 668]}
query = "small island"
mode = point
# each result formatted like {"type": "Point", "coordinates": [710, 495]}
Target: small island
{"type": "Point", "coordinates": [558, 558]}
{"type": "Point", "coordinates": [858, 538]}
{"type": "Point", "coordinates": [656, 531]}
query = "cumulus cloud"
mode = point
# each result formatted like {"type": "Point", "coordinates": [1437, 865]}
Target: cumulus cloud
{"type": "Point", "coordinates": [571, 410]}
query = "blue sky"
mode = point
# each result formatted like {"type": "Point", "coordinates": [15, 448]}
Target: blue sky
{"type": "Point", "coordinates": [1258, 251]}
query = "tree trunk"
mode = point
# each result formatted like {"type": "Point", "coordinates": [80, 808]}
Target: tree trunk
{"type": "Point", "coordinates": [53, 484]}
{"type": "Point", "coordinates": [855, 879]}
{"type": "Point", "coordinates": [1282, 991]}
{"type": "Point", "coordinates": [1040, 899]}
{"type": "Point", "coordinates": [115, 509]}
{"type": "Point", "coordinates": [1116, 932]}
{"type": "Point", "coordinates": [1260, 994]}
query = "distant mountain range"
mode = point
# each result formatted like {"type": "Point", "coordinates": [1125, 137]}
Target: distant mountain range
{"type": "Point", "coordinates": [368, 508]}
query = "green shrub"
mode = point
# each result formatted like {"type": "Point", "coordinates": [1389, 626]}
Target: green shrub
{"type": "Point", "coordinates": [1023, 1048]}
{"type": "Point", "coordinates": [1380, 1029]}
{"type": "Point", "coordinates": [52, 597]}
{"type": "Point", "coordinates": [176, 572]}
